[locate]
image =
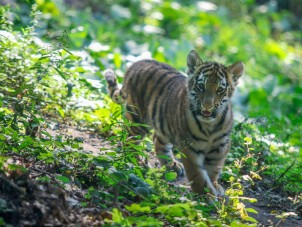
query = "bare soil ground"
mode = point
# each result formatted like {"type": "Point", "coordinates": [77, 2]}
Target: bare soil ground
{"type": "Point", "coordinates": [25, 202]}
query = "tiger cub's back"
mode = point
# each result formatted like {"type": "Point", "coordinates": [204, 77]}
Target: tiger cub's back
{"type": "Point", "coordinates": [149, 88]}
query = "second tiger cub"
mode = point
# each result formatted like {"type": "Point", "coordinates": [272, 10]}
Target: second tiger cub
{"type": "Point", "coordinates": [193, 113]}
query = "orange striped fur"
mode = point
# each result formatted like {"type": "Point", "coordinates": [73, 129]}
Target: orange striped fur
{"type": "Point", "coordinates": [193, 113]}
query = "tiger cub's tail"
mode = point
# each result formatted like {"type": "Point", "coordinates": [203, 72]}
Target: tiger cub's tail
{"type": "Point", "coordinates": [114, 92]}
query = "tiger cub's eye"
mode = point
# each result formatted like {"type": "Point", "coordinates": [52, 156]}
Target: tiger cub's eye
{"type": "Point", "coordinates": [200, 87]}
{"type": "Point", "coordinates": [220, 90]}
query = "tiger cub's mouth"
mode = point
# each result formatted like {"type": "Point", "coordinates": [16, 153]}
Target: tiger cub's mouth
{"type": "Point", "coordinates": [206, 113]}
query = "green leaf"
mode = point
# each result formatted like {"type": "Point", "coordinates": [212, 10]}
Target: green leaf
{"type": "Point", "coordinates": [45, 179]}
{"type": "Point", "coordinates": [61, 112]}
{"type": "Point", "coordinates": [137, 208]}
{"type": "Point", "coordinates": [60, 73]}
{"type": "Point", "coordinates": [162, 209]}
{"type": "Point", "coordinates": [102, 114]}
{"type": "Point", "coordinates": [73, 57]}
{"type": "Point", "coordinates": [250, 219]}
{"type": "Point", "coordinates": [176, 211]}
{"type": "Point", "coordinates": [17, 167]}
{"type": "Point", "coordinates": [26, 143]}
{"type": "Point", "coordinates": [119, 176]}
{"type": "Point", "coordinates": [251, 210]}
{"type": "Point", "coordinates": [238, 223]}
{"type": "Point", "coordinates": [117, 60]}
{"type": "Point", "coordinates": [248, 140]}
{"type": "Point", "coordinates": [253, 200]}
{"type": "Point", "coordinates": [117, 216]}
{"type": "Point", "coordinates": [63, 179]}
{"type": "Point", "coordinates": [170, 176]}
{"type": "Point", "coordinates": [164, 157]}
{"type": "Point", "coordinates": [143, 191]}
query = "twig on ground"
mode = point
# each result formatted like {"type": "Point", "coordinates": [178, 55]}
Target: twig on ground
{"type": "Point", "coordinates": [282, 175]}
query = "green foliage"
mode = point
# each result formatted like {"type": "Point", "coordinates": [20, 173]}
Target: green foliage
{"type": "Point", "coordinates": [264, 153]}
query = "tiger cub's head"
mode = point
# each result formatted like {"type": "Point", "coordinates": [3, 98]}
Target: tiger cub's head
{"type": "Point", "coordinates": [211, 85]}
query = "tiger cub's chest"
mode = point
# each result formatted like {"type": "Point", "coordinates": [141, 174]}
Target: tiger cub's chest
{"type": "Point", "coordinates": [211, 144]}
{"type": "Point", "coordinates": [205, 138]}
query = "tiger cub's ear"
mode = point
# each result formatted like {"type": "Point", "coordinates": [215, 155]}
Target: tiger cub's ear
{"type": "Point", "coordinates": [193, 60]}
{"type": "Point", "coordinates": [236, 70]}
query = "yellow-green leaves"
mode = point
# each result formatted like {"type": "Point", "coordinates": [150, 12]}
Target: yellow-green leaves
{"type": "Point", "coordinates": [248, 140]}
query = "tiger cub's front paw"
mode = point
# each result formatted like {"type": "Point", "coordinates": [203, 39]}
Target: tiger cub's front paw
{"type": "Point", "coordinates": [219, 189]}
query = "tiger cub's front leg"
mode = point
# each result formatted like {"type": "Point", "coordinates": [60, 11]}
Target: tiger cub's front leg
{"type": "Point", "coordinates": [203, 172]}
{"type": "Point", "coordinates": [213, 168]}
{"type": "Point", "coordinates": [165, 155]}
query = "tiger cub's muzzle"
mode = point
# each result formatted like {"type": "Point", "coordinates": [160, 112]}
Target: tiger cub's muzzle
{"type": "Point", "coordinates": [207, 106]}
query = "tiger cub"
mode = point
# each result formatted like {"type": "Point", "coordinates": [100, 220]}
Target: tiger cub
{"type": "Point", "coordinates": [193, 113]}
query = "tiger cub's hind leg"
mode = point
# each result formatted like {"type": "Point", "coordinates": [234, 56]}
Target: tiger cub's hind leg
{"type": "Point", "coordinates": [165, 155]}
{"type": "Point", "coordinates": [135, 130]}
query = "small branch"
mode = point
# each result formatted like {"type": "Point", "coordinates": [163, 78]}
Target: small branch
{"type": "Point", "coordinates": [287, 169]}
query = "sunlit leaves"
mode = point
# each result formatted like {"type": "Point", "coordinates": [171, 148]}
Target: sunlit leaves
{"type": "Point", "coordinates": [117, 59]}
{"type": "Point", "coordinates": [170, 176]}
{"type": "Point", "coordinates": [248, 140]}
{"type": "Point", "coordinates": [139, 208]}
{"type": "Point", "coordinates": [275, 49]}
{"type": "Point", "coordinates": [47, 6]}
